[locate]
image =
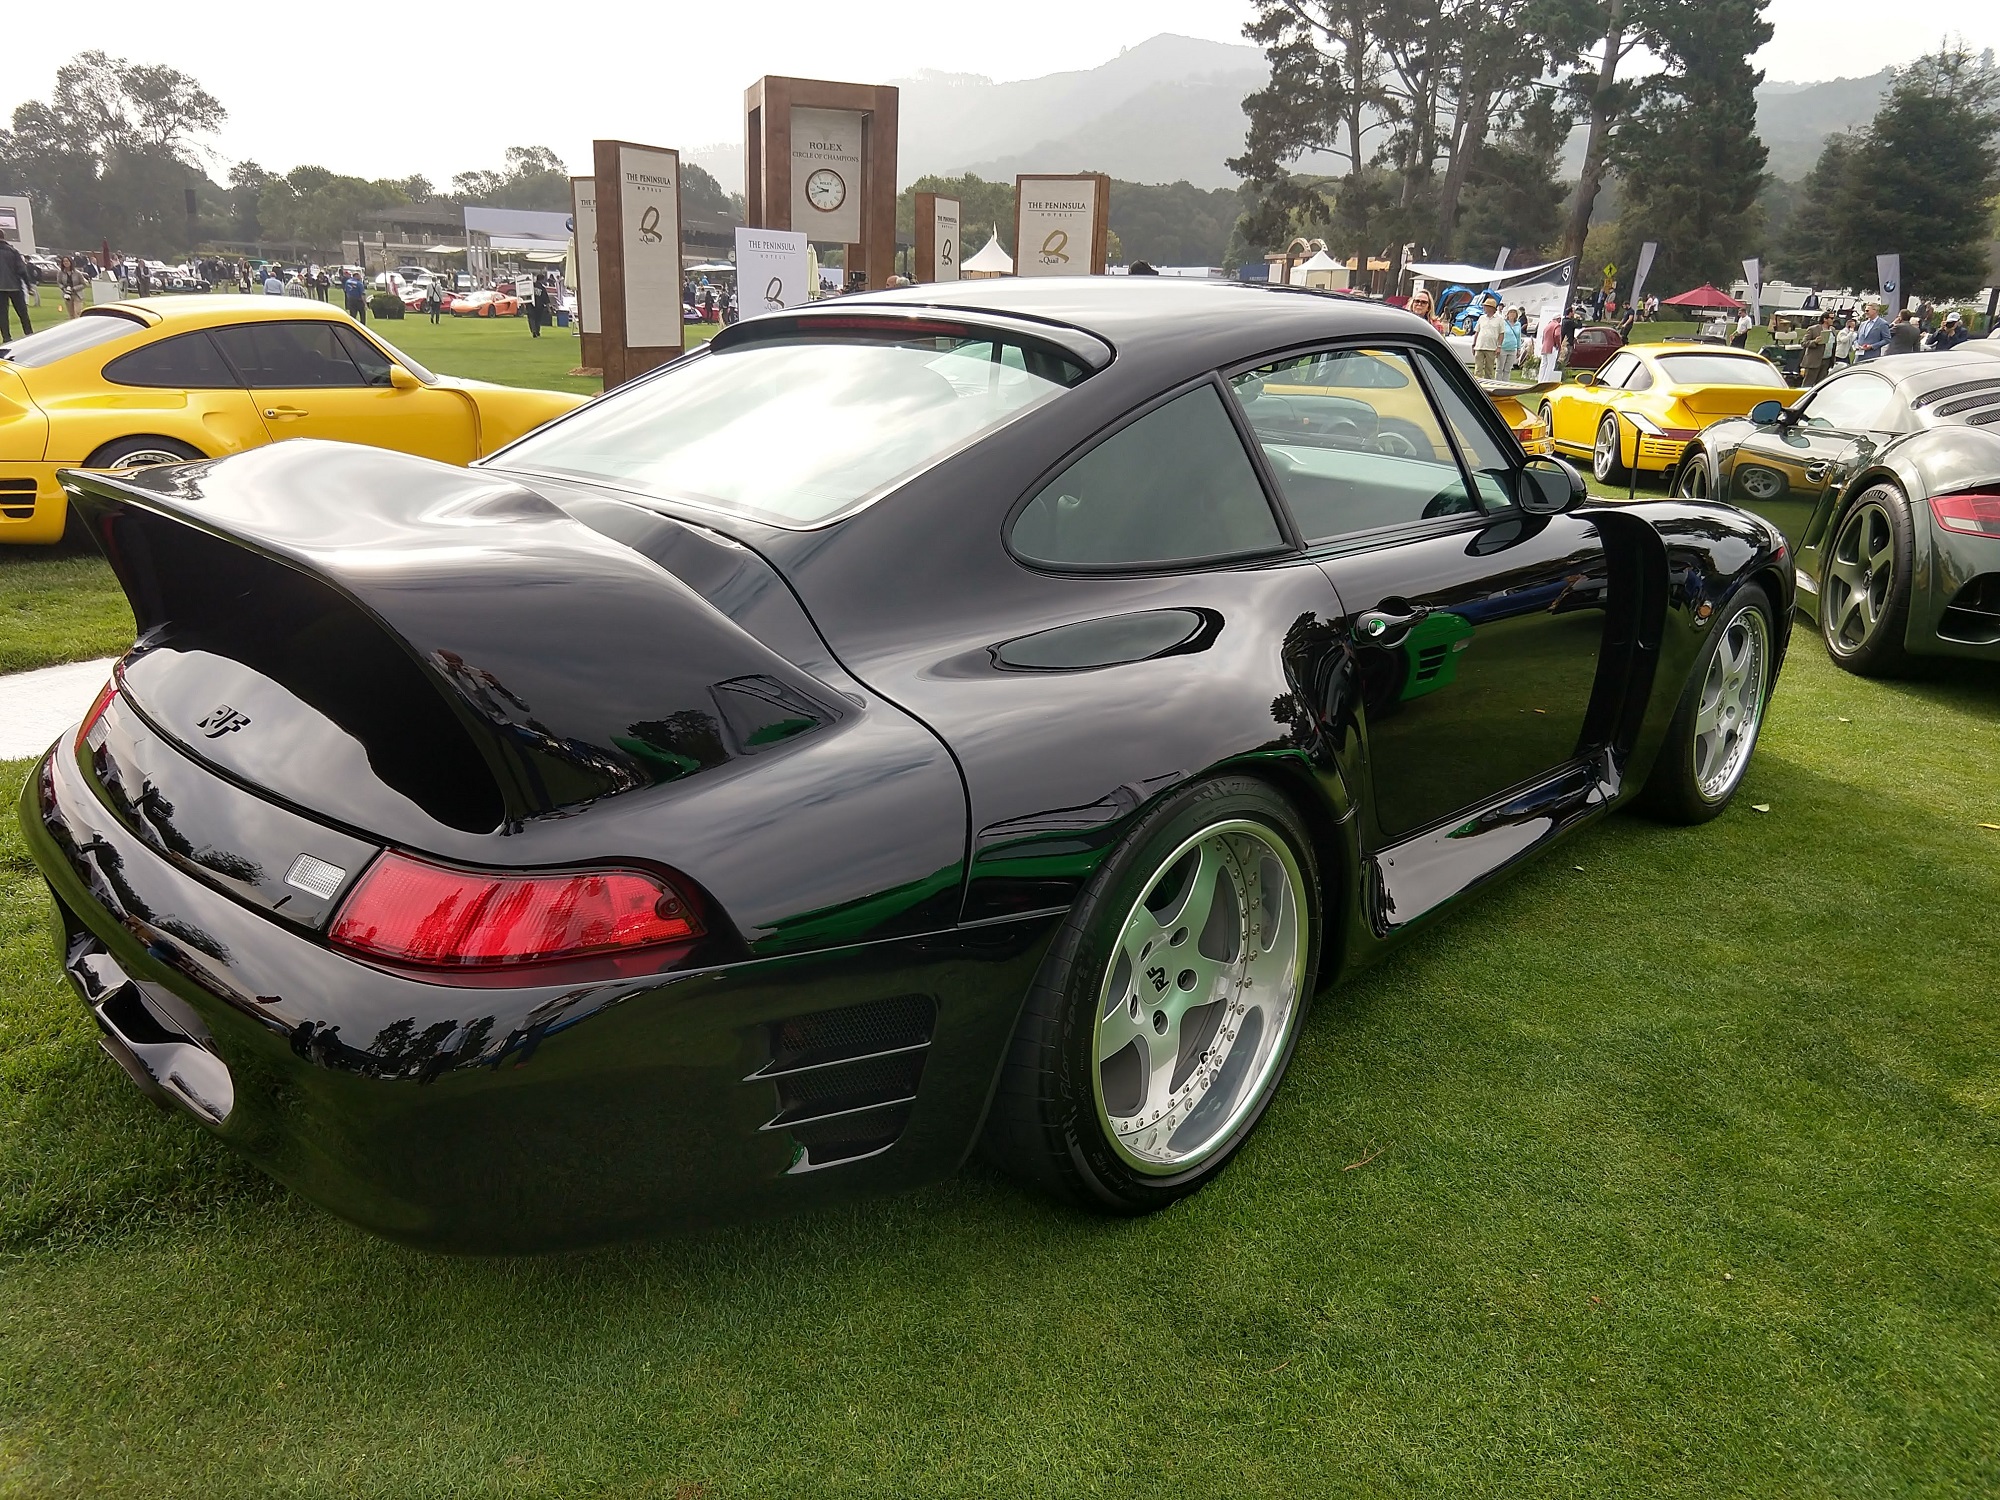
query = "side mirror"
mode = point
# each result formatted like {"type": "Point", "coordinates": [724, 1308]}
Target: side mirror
{"type": "Point", "coordinates": [1767, 413]}
{"type": "Point", "coordinates": [402, 380]}
{"type": "Point", "coordinates": [1586, 377]}
{"type": "Point", "coordinates": [1550, 486]}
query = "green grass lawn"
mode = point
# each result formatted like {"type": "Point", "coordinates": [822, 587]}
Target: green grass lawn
{"type": "Point", "coordinates": [1672, 1168]}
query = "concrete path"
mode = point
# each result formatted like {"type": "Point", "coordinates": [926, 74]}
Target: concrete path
{"type": "Point", "coordinates": [37, 706]}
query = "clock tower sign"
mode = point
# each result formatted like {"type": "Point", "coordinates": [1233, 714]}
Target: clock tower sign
{"type": "Point", "coordinates": [820, 159]}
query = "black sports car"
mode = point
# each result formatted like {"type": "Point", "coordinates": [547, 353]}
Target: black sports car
{"type": "Point", "coordinates": [983, 712]}
{"type": "Point", "coordinates": [1886, 482]}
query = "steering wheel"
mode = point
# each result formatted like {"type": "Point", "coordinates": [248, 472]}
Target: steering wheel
{"type": "Point", "coordinates": [1395, 445]}
{"type": "Point", "coordinates": [1448, 503]}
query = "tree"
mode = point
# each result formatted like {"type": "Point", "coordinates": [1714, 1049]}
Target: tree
{"type": "Point", "coordinates": [1688, 156]}
{"type": "Point", "coordinates": [702, 195]}
{"type": "Point", "coordinates": [1922, 180]}
{"type": "Point", "coordinates": [1813, 250]}
{"type": "Point", "coordinates": [109, 154]}
{"type": "Point", "coordinates": [311, 205]}
{"type": "Point", "coordinates": [1326, 93]}
{"type": "Point", "coordinates": [1513, 197]}
{"type": "Point", "coordinates": [1593, 82]}
{"type": "Point", "coordinates": [533, 177]}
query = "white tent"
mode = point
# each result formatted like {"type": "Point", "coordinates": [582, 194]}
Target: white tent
{"type": "Point", "coordinates": [991, 260]}
{"type": "Point", "coordinates": [1481, 275]}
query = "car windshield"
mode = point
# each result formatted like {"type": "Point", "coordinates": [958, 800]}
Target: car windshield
{"type": "Point", "coordinates": [798, 434]}
{"type": "Point", "coordinates": [1720, 369]}
{"type": "Point", "coordinates": [60, 342]}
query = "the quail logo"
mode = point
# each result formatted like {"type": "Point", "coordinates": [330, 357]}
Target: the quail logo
{"type": "Point", "coordinates": [1055, 248]}
{"type": "Point", "coordinates": [221, 720]}
{"type": "Point", "coordinates": [649, 226]}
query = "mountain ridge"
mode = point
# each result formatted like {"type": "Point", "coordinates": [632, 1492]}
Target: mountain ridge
{"type": "Point", "coordinates": [1170, 109]}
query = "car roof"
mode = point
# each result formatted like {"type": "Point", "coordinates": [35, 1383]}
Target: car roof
{"type": "Point", "coordinates": [1916, 374]}
{"type": "Point", "coordinates": [1154, 315]}
{"type": "Point", "coordinates": [202, 311]}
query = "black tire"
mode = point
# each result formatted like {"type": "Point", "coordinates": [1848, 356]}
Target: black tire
{"type": "Point", "coordinates": [1608, 467]}
{"type": "Point", "coordinates": [1676, 791]}
{"type": "Point", "coordinates": [1047, 1126]}
{"type": "Point", "coordinates": [1863, 619]}
{"type": "Point", "coordinates": [126, 452]}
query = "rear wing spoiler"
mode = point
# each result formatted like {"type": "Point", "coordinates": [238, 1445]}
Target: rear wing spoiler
{"type": "Point", "coordinates": [579, 668]}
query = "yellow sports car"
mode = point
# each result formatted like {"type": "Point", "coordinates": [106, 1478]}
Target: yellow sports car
{"type": "Point", "coordinates": [1401, 411]}
{"type": "Point", "coordinates": [174, 378]}
{"type": "Point", "coordinates": [1650, 400]}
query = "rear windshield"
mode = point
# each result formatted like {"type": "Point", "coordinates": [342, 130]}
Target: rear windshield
{"type": "Point", "coordinates": [86, 331]}
{"type": "Point", "coordinates": [1720, 369]}
{"type": "Point", "coordinates": [798, 434]}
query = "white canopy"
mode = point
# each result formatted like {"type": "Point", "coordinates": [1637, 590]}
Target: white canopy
{"type": "Point", "coordinates": [1481, 275]}
{"type": "Point", "coordinates": [1321, 261]}
{"type": "Point", "coordinates": [991, 260]}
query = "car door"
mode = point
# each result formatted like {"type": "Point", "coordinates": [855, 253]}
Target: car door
{"type": "Point", "coordinates": [1784, 469]}
{"type": "Point", "coordinates": [1476, 627]}
{"type": "Point", "coordinates": [193, 395]}
{"type": "Point", "coordinates": [317, 378]}
{"type": "Point", "coordinates": [1582, 405]}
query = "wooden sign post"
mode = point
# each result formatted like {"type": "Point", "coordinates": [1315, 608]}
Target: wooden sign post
{"type": "Point", "coordinates": [820, 158]}
{"type": "Point", "coordinates": [589, 316]}
{"type": "Point", "coordinates": [1062, 223]}
{"type": "Point", "coordinates": [937, 226]}
{"type": "Point", "coordinates": [638, 257]}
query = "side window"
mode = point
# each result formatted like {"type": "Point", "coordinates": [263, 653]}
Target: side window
{"type": "Point", "coordinates": [287, 356]}
{"type": "Point", "coordinates": [187, 362]}
{"type": "Point", "coordinates": [1616, 369]}
{"type": "Point", "coordinates": [1640, 378]}
{"type": "Point", "coordinates": [369, 360]}
{"type": "Point", "coordinates": [1852, 403]}
{"type": "Point", "coordinates": [1486, 459]}
{"type": "Point", "coordinates": [1353, 440]}
{"type": "Point", "coordinates": [1174, 486]}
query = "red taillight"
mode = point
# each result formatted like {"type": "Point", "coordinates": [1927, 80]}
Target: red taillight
{"type": "Point", "coordinates": [1975, 515]}
{"type": "Point", "coordinates": [98, 706]}
{"type": "Point", "coordinates": [406, 911]}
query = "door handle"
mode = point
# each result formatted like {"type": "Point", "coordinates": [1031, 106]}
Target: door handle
{"type": "Point", "coordinates": [285, 413]}
{"type": "Point", "coordinates": [1377, 625]}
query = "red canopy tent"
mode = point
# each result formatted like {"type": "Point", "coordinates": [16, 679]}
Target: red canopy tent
{"type": "Point", "coordinates": [1703, 296]}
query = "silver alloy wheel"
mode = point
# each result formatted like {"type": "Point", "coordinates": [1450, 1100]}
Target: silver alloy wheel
{"type": "Point", "coordinates": [1731, 707]}
{"type": "Point", "coordinates": [1760, 484]}
{"type": "Point", "coordinates": [1200, 998]}
{"type": "Point", "coordinates": [146, 458]}
{"type": "Point", "coordinates": [1860, 571]}
{"type": "Point", "coordinates": [1694, 481]}
{"type": "Point", "coordinates": [1604, 456]}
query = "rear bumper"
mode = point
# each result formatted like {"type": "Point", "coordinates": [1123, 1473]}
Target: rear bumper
{"type": "Point", "coordinates": [33, 507]}
{"type": "Point", "coordinates": [516, 1119]}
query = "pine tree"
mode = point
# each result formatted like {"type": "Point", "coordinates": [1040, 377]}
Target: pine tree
{"type": "Point", "coordinates": [1922, 181]}
{"type": "Point", "coordinates": [1689, 158]}
{"type": "Point", "coordinates": [1814, 251]}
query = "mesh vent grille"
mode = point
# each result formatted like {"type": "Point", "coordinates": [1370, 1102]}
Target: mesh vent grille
{"type": "Point", "coordinates": [852, 1031]}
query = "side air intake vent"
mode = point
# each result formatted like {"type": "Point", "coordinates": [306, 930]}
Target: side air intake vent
{"type": "Point", "coordinates": [1973, 616]}
{"type": "Point", "coordinates": [845, 1079]}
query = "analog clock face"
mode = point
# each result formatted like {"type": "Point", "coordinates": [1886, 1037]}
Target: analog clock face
{"type": "Point", "coordinates": [825, 191]}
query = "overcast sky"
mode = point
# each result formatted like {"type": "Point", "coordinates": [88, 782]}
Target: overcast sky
{"type": "Point", "coordinates": [384, 93]}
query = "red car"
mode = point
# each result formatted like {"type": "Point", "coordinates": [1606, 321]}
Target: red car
{"type": "Point", "coordinates": [1593, 345]}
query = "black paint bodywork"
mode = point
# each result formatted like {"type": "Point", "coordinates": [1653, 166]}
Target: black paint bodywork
{"type": "Point", "coordinates": [884, 755]}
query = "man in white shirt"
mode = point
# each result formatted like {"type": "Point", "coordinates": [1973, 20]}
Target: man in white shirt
{"type": "Point", "coordinates": [274, 284]}
{"type": "Point", "coordinates": [1486, 340]}
{"type": "Point", "coordinates": [1742, 339]}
